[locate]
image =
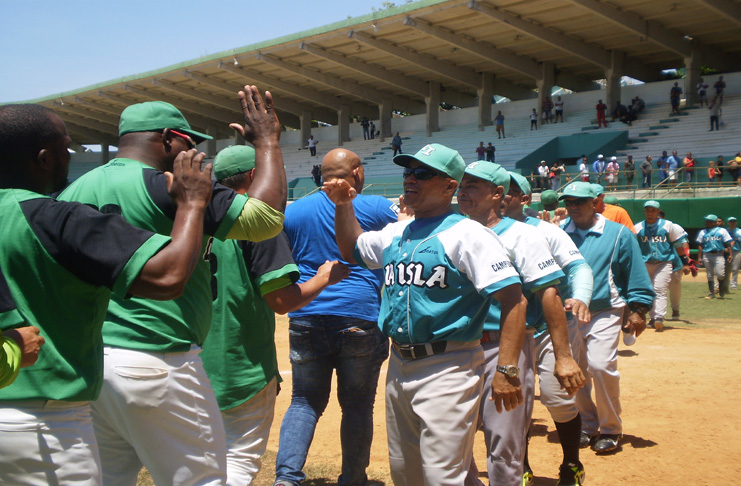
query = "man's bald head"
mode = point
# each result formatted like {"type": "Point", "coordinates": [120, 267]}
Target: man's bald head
{"type": "Point", "coordinates": [343, 164]}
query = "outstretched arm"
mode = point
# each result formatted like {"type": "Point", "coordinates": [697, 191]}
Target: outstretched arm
{"type": "Point", "coordinates": [296, 296]}
{"type": "Point", "coordinates": [505, 391]}
{"type": "Point", "coordinates": [346, 227]}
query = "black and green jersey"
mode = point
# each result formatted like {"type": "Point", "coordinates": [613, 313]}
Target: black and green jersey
{"type": "Point", "coordinates": [61, 262]}
{"type": "Point", "coordinates": [239, 353]}
{"type": "Point", "coordinates": [139, 193]}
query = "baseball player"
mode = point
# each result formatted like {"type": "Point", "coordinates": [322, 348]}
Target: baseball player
{"type": "Point", "coordinates": [61, 262]}
{"type": "Point", "coordinates": [480, 196]}
{"type": "Point", "coordinates": [252, 281]}
{"type": "Point", "coordinates": [157, 406]}
{"type": "Point", "coordinates": [714, 250]}
{"type": "Point", "coordinates": [659, 240]}
{"type": "Point", "coordinates": [735, 233]}
{"type": "Point", "coordinates": [613, 212]}
{"type": "Point", "coordinates": [679, 269]}
{"type": "Point", "coordinates": [578, 292]}
{"type": "Point", "coordinates": [620, 279]}
{"type": "Point", "coordinates": [441, 271]}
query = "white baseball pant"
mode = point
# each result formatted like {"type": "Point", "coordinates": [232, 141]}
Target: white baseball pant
{"type": "Point", "coordinates": [661, 275]}
{"type": "Point", "coordinates": [675, 289]}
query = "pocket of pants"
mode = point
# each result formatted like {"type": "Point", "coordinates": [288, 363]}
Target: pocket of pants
{"type": "Point", "coordinates": [142, 386]}
{"type": "Point", "coordinates": [301, 350]}
{"type": "Point", "coordinates": [360, 342]}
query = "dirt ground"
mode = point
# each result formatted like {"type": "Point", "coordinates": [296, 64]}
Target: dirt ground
{"type": "Point", "coordinates": [681, 416]}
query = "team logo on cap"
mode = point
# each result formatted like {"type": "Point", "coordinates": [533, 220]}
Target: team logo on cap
{"type": "Point", "coordinates": [572, 187]}
{"type": "Point", "coordinates": [472, 165]}
{"type": "Point", "coordinates": [427, 150]}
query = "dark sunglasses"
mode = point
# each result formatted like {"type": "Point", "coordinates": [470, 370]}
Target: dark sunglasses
{"type": "Point", "coordinates": [188, 140]}
{"type": "Point", "coordinates": [421, 173]}
{"type": "Point", "coordinates": [576, 202]}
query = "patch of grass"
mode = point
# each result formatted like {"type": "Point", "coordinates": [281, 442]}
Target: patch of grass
{"type": "Point", "coordinates": [698, 312]}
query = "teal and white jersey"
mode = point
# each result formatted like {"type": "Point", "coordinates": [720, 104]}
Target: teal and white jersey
{"type": "Point", "coordinates": [439, 275]}
{"type": "Point", "coordinates": [658, 240]}
{"type": "Point", "coordinates": [620, 274]}
{"type": "Point", "coordinates": [736, 235]}
{"type": "Point", "coordinates": [534, 263]}
{"type": "Point", "coordinates": [713, 240]}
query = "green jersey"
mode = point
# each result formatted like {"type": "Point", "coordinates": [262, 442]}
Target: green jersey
{"type": "Point", "coordinates": [139, 193]}
{"type": "Point", "coordinates": [61, 262]}
{"type": "Point", "coordinates": [239, 353]}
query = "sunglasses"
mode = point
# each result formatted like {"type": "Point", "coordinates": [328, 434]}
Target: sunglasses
{"type": "Point", "coordinates": [421, 173]}
{"type": "Point", "coordinates": [188, 140]}
{"type": "Point", "coordinates": [576, 202]}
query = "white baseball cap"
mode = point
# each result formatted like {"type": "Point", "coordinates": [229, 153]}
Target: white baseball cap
{"type": "Point", "coordinates": [613, 158]}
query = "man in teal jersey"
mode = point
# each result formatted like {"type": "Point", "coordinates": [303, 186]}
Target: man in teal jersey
{"type": "Point", "coordinates": [735, 233]}
{"type": "Point", "coordinates": [715, 249]}
{"type": "Point", "coordinates": [441, 272]}
{"type": "Point", "coordinates": [61, 262]}
{"type": "Point", "coordinates": [480, 196]}
{"type": "Point", "coordinates": [157, 407]}
{"type": "Point", "coordinates": [251, 282]}
{"type": "Point", "coordinates": [620, 280]}
{"type": "Point", "coordinates": [659, 240]}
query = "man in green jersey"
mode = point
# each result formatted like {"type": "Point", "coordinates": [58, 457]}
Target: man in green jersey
{"type": "Point", "coordinates": [61, 262]}
{"type": "Point", "coordinates": [251, 282]}
{"type": "Point", "coordinates": [157, 407]}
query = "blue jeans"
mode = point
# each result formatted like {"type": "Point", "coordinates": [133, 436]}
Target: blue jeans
{"type": "Point", "coordinates": [319, 344]}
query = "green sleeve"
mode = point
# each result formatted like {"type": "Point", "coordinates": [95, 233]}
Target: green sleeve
{"type": "Point", "coordinates": [257, 222]}
{"type": "Point", "coordinates": [10, 361]}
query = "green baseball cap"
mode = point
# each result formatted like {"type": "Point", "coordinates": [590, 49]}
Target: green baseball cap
{"type": "Point", "coordinates": [597, 189]}
{"type": "Point", "coordinates": [489, 172]}
{"type": "Point", "coordinates": [578, 189]}
{"type": "Point", "coordinates": [711, 217]}
{"type": "Point", "coordinates": [612, 200]}
{"type": "Point", "coordinates": [549, 197]}
{"type": "Point", "coordinates": [234, 160]}
{"type": "Point", "coordinates": [154, 116]}
{"type": "Point", "coordinates": [652, 204]}
{"type": "Point", "coordinates": [521, 182]}
{"type": "Point", "coordinates": [438, 157]}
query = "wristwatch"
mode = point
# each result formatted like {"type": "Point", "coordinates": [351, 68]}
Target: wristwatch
{"type": "Point", "coordinates": [510, 371]}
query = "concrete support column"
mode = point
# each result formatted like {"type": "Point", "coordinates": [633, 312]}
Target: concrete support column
{"type": "Point", "coordinates": [343, 125]}
{"type": "Point", "coordinates": [305, 126]}
{"type": "Point", "coordinates": [613, 75]}
{"type": "Point", "coordinates": [692, 77]}
{"type": "Point", "coordinates": [384, 118]}
{"type": "Point", "coordinates": [238, 139]}
{"type": "Point", "coordinates": [545, 85]}
{"type": "Point", "coordinates": [432, 100]}
{"type": "Point", "coordinates": [211, 144]}
{"type": "Point", "coordinates": [485, 93]}
{"type": "Point", "coordinates": [105, 153]}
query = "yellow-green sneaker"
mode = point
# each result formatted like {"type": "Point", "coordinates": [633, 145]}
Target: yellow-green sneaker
{"type": "Point", "coordinates": [571, 474]}
{"type": "Point", "coordinates": [528, 479]}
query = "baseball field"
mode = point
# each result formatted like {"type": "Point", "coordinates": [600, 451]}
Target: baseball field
{"type": "Point", "coordinates": [680, 399]}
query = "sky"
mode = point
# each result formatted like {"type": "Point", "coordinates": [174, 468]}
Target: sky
{"type": "Point", "coordinates": [53, 46]}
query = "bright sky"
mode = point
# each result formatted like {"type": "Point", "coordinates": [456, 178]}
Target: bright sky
{"type": "Point", "coordinates": [53, 46]}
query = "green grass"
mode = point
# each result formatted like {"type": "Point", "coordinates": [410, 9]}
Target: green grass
{"type": "Point", "coordinates": [698, 312]}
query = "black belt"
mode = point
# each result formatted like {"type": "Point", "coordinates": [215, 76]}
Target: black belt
{"type": "Point", "coordinates": [419, 351]}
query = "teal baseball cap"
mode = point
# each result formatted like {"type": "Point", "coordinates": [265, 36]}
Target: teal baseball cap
{"type": "Point", "coordinates": [435, 156]}
{"type": "Point", "coordinates": [652, 204]}
{"type": "Point", "coordinates": [234, 160]}
{"type": "Point", "coordinates": [549, 197]}
{"type": "Point", "coordinates": [711, 217]}
{"type": "Point", "coordinates": [153, 116]}
{"type": "Point", "coordinates": [732, 218]}
{"type": "Point", "coordinates": [612, 200]}
{"type": "Point", "coordinates": [490, 172]}
{"type": "Point", "coordinates": [578, 189]}
{"type": "Point", "coordinates": [521, 182]}
{"type": "Point", "coordinates": [597, 189]}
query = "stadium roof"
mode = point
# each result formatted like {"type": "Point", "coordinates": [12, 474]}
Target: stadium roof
{"type": "Point", "coordinates": [391, 56]}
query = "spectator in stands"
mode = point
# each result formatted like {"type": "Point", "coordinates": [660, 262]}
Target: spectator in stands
{"type": "Point", "coordinates": [601, 110]}
{"type": "Point", "coordinates": [647, 171]}
{"type": "Point", "coordinates": [620, 111]}
{"type": "Point", "coordinates": [638, 104]}
{"type": "Point", "coordinates": [674, 94]}
{"type": "Point", "coordinates": [544, 173]}
{"type": "Point", "coordinates": [661, 164]}
{"type": "Point", "coordinates": [630, 170]}
{"type": "Point", "coordinates": [715, 113]}
{"type": "Point", "coordinates": [630, 116]}
{"type": "Point", "coordinates": [547, 110]}
{"type": "Point", "coordinates": [719, 169]}
{"type": "Point", "coordinates": [316, 174]}
{"type": "Point", "coordinates": [480, 151]}
{"type": "Point", "coordinates": [490, 149]}
{"type": "Point", "coordinates": [559, 109]}
{"type": "Point", "coordinates": [535, 178]}
{"type": "Point", "coordinates": [712, 172]}
{"type": "Point", "coordinates": [598, 167]}
{"type": "Point", "coordinates": [612, 171]}
{"type": "Point", "coordinates": [534, 120]}
{"type": "Point", "coordinates": [365, 123]}
{"type": "Point", "coordinates": [702, 88]}
{"type": "Point", "coordinates": [689, 164]}
{"type": "Point", "coordinates": [556, 172]}
{"type": "Point", "coordinates": [372, 130]}
{"type": "Point", "coordinates": [672, 164]}
{"type": "Point", "coordinates": [734, 168]}
{"type": "Point", "coordinates": [720, 87]}
{"type": "Point", "coordinates": [312, 145]}
{"type": "Point", "coordinates": [396, 144]}
{"type": "Point", "coordinates": [584, 169]}
{"type": "Point", "coordinates": [499, 122]}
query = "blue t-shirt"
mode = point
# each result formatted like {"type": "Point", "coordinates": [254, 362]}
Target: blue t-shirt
{"type": "Point", "coordinates": [309, 225]}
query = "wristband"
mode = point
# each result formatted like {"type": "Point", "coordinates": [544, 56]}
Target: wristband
{"type": "Point", "coordinates": [685, 260]}
{"type": "Point", "coordinates": [639, 308]}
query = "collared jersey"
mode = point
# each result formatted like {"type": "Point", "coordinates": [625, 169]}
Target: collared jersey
{"type": "Point", "coordinates": [439, 275]}
{"type": "Point", "coordinates": [736, 235]}
{"type": "Point", "coordinates": [139, 193]}
{"type": "Point", "coordinates": [533, 261]}
{"type": "Point", "coordinates": [61, 262]}
{"type": "Point", "coordinates": [658, 240]}
{"type": "Point", "coordinates": [713, 240]}
{"type": "Point", "coordinates": [620, 275]}
{"type": "Point", "coordinates": [239, 352]}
